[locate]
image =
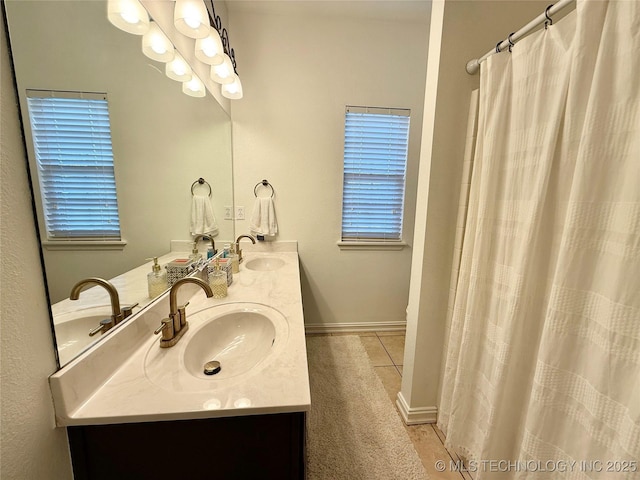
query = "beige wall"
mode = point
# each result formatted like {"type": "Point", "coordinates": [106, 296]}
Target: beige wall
{"type": "Point", "coordinates": [32, 448]}
{"type": "Point", "coordinates": [300, 65]}
{"type": "Point", "coordinates": [469, 30]}
{"type": "Point", "coordinates": [163, 140]}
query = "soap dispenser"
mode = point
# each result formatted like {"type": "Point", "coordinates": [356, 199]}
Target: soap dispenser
{"type": "Point", "coordinates": [195, 255]}
{"type": "Point", "coordinates": [156, 279]}
{"type": "Point", "coordinates": [235, 263]}
{"type": "Point", "coordinates": [218, 280]}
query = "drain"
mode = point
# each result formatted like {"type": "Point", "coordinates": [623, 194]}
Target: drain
{"type": "Point", "coordinates": [212, 367]}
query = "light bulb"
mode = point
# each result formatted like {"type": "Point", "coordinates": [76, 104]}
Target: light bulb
{"type": "Point", "coordinates": [233, 90]}
{"type": "Point", "coordinates": [209, 49]}
{"type": "Point", "coordinates": [128, 15]}
{"type": "Point", "coordinates": [194, 87]}
{"type": "Point", "coordinates": [178, 69]}
{"type": "Point", "coordinates": [192, 21]}
{"type": "Point", "coordinates": [223, 73]}
{"type": "Point", "coordinates": [191, 18]}
{"type": "Point", "coordinates": [156, 45]}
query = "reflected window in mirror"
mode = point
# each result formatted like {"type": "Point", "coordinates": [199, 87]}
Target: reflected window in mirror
{"type": "Point", "coordinates": [71, 134]}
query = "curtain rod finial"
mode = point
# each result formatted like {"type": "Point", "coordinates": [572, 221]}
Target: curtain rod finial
{"type": "Point", "coordinates": [473, 66]}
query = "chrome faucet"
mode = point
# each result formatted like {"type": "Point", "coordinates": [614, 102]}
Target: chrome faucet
{"type": "Point", "coordinates": [117, 315]}
{"type": "Point", "coordinates": [238, 250]}
{"type": "Point", "coordinates": [176, 325]}
{"type": "Point", "coordinates": [205, 237]}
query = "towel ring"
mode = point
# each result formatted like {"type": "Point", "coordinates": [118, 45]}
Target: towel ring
{"type": "Point", "coordinates": [264, 183]}
{"type": "Point", "coordinates": [200, 181]}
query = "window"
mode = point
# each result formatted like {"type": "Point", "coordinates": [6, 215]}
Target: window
{"type": "Point", "coordinates": [375, 163]}
{"type": "Point", "coordinates": [72, 144]}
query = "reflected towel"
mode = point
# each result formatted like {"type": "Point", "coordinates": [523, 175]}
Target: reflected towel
{"type": "Point", "coordinates": [203, 220]}
{"type": "Point", "coordinates": [263, 218]}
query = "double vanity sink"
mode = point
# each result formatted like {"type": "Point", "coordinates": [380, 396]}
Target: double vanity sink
{"type": "Point", "coordinates": [240, 365]}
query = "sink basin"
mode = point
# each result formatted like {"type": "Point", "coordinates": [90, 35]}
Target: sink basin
{"type": "Point", "coordinates": [238, 340]}
{"type": "Point", "coordinates": [243, 337]}
{"type": "Point", "coordinates": [72, 330]}
{"type": "Point", "coordinates": [265, 263]}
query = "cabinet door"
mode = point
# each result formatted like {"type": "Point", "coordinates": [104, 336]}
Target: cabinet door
{"type": "Point", "coordinates": [252, 447]}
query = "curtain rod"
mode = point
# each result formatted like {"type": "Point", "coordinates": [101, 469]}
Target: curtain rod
{"type": "Point", "coordinates": [473, 66]}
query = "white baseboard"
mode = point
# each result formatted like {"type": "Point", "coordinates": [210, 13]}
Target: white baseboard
{"type": "Point", "coordinates": [355, 327]}
{"type": "Point", "coordinates": [416, 416]}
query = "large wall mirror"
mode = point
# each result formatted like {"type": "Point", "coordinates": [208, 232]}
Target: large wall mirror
{"type": "Point", "coordinates": [163, 141]}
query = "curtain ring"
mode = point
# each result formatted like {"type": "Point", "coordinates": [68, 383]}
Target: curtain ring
{"type": "Point", "coordinates": [511, 44]}
{"type": "Point", "coordinates": [498, 46]}
{"type": "Point", "coordinates": [549, 19]}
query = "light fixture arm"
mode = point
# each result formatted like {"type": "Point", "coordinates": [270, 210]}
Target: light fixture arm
{"type": "Point", "coordinates": [216, 22]}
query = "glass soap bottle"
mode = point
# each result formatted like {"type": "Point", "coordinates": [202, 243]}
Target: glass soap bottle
{"type": "Point", "coordinates": [218, 280]}
{"type": "Point", "coordinates": [195, 255]}
{"type": "Point", "coordinates": [235, 263]}
{"type": "Point", "coordinates": [156, 279]}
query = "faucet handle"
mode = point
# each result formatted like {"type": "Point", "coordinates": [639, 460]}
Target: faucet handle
{"type": "Point", "coordinates": [105, 325]}
{"type": "Point", "coordinates": [182, 313]}
{"type": "Point", "coordinates": [128, 310]}
{"type": "Point", "coordinates": [166, 328]}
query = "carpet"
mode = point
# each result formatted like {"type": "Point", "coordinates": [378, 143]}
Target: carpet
{"type": "Point", "coordinates": [353, 429]}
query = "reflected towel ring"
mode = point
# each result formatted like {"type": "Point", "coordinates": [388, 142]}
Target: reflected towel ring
{"type": "Point", "coordinates": [549, 20]}
{"type": "Point", "coordinates": [264, 183]}
{"type": "Point", "coordinates": [200, 181]}
{"type": "Point", "coordinates": [511, 44]}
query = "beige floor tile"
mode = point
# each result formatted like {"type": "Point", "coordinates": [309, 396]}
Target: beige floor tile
{"type": "Point", "coordinates": [394, 345]}
{"type": "Point", "coordinates": [391, 333]}
{"type": "Point", "coordinates": [359, 334]}
{"type": "Point", "coordinates": [377, 354]}
{"type": "Point", "coordinates": [438, 432]}
{"type": "Point", "coordinates": [430, 450]}
{"type": "Point", "coordinates": [391, 381]}
{"type": "Point", "coordinates": [400, 368]}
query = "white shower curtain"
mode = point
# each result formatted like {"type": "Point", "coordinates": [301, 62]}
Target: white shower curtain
{"type": "Point", "coordinates": [542, 365]}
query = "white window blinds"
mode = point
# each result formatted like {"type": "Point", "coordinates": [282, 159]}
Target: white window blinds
{"type": "Point", "coordinates": [375, 162]}
{"type": "Point", "coordinates": [72, 143]}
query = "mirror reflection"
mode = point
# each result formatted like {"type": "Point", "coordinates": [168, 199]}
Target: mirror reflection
{"type": "Point", "coordinates": [162, 141]}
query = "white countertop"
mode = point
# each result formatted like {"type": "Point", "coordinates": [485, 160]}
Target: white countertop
{"type": "Point", "coordinates": [108, 383]}
{"type": "Point", "coordinates": [132, 289]}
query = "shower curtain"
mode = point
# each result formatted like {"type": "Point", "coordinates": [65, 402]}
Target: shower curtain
{"type": "Point", "coordinates": [541, 375]}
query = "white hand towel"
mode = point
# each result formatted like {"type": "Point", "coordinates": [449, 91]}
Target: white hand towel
{"type": "Point", "coordinates": [203, 220]}
{"type": "Point", "coordinates": [263, 218]}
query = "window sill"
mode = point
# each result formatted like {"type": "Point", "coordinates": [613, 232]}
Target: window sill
{"type": "Point", "coordinates": [371, 245]}
{"type": "Point", "coordinates": [84, 244]}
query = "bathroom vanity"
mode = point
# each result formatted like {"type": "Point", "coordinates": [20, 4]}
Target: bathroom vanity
{"type": "Point", "coordinates": [135, 410]}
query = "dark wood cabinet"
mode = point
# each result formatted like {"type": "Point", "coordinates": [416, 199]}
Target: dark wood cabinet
{"type": "Point", "coordinates": [250, 447]}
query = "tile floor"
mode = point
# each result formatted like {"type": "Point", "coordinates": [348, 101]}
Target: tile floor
{"type": "Point", "coordinates": [386, 352]}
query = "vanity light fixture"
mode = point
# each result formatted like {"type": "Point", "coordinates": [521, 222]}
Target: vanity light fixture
{"type": "Point", "coordinates": [194, 88]}
{"type": "Point", "coordinates": [178, 69]}
{"type": "Point", "coordinates": [209, 49]}
{"type": "Point", "coordinates": [128, 15]}
{"type": "Point", "coordinates": [223, 69]}
{"type": "Point", "coordinates": [224, 72]}
{"type": "Point", "coordinates": [156, 45]}
{"type": "Point", "coordinates": [233, 90]}
{"type": "Point", "coordinates": [191, 18]}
